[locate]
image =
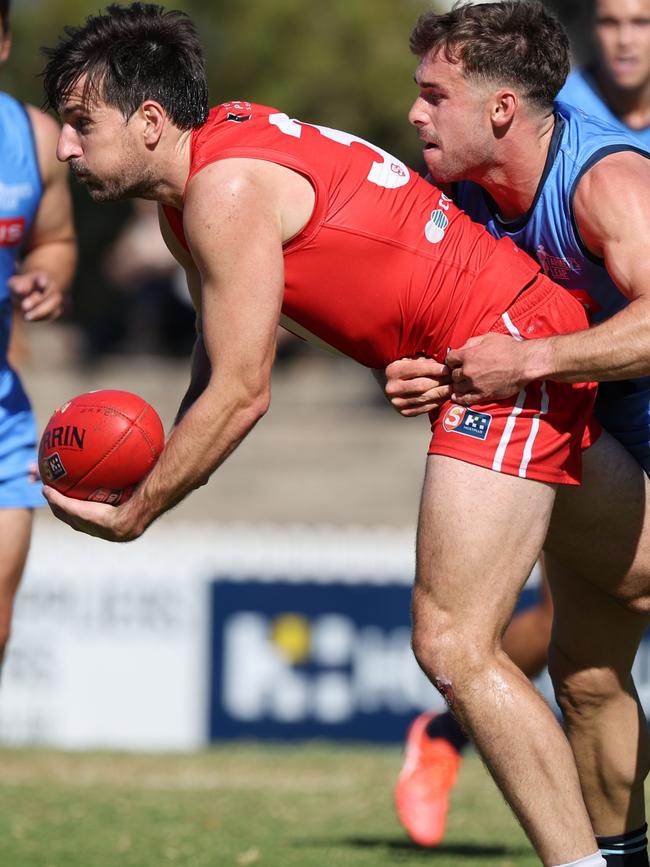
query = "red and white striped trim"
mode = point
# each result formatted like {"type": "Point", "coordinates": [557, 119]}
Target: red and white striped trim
{"type": "Point", "coordinates": [506, 436]}
{"type": "Point", "coordinates": [534, 428]}
{"type": "Point", "coordinates": [507, 432]}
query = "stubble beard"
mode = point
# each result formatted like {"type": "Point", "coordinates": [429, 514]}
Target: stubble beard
{"type": "Point", "coordinates": [120, 189]}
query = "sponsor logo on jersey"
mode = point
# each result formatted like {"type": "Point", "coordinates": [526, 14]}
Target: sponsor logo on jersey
{"type": "Point", "coordinates": [11, 195]}
{"type": "Point", "coordinates": [467, 422]}
{"type": "Point", "coordinates": [11, 231]}
{"type": "Point", "coordinates": [557, 267]}
{"type": "Point", "coordinates": [68, 436]}
{"type": "Point", "coordinates": [54, 468]}
{"type": "Point", "coordinates": [238, 111]}
{"type": "Point", "coordinates": [435, 229]}
{"type": "Point", "coordinates": [453, 417]}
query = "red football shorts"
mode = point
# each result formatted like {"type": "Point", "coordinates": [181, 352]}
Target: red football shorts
{"type": "Point", "coordinates": [541, 432]}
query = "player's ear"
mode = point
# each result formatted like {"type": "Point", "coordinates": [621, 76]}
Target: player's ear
{"type": "Point", "coordinates": [503, 108]}
{"type": "Point", "coordinates": [154, 116]}
{"type": "Point", "coordinates": [5, 45]}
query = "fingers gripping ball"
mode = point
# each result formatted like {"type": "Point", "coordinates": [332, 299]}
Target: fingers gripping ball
{"type": "Point", "coordinates": [100, 445]}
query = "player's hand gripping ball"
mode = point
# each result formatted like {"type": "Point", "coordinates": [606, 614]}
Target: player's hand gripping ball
{"type": "Point", "coordinates": [100, 445]}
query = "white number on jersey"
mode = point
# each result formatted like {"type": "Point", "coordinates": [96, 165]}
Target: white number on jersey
{"type": "Point", "coordinates": [390, 173]}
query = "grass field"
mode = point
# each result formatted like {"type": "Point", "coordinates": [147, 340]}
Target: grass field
{"type": "Point", "coordinates": [307, 806]}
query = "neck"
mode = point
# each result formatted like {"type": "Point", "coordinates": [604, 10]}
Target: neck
{"type": "Point", "coordinates": [173, 171]}
{"type": "Point", "coordinates": [512, 181]}
{"type": "Point", "coordinates": [630, 105]}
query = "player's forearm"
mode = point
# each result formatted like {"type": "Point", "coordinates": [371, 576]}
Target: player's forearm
{"type": "Point", "coordinates": [210, 431]}
{"type": "Point", "coordinates": [199, 378]}
{"type": "Point", "coordinates": [56, 258]}
{"type": "Point", "coordinates": [616, 349]}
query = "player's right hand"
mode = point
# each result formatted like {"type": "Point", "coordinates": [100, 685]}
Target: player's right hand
{"type": "Point", "coordinates": [417, 385]}
{"type": "Point", "coordinates": [38, 295]}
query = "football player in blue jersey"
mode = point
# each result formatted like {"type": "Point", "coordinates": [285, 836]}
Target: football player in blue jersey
{"type": "Point", "coordinates": [37, 261]}
{"type": "Point", "coordinates": [573, 192]}
{"type": "Point", "coordinates": [615, 85]}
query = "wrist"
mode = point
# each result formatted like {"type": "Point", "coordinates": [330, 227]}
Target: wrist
{"type": "Point", "coordinates": [537, 362]}
{"type": "Point", "coordinates": [130, 520]}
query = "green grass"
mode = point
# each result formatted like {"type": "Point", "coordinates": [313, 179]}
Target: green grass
{"type": "Point", "coordinates": [307, 806]}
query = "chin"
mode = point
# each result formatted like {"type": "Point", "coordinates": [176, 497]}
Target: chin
{"type": "Point", "coordinates": [438, 171]}
{"type": "Point", "coordinates": [108, 194]}
{"type": "Point", "coordinates": [99, 195]}
{"type": "Point", "coordinates": [629, 81]}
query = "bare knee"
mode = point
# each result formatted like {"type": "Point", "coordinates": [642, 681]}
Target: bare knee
{"type": "Point", "coordinates": [448, 657]}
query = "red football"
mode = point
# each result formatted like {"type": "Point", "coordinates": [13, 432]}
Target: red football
{"type": "Point", "coordinates": [99, 445]}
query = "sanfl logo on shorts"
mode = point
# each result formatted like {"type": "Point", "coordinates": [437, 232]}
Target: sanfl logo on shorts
{"type": "Point", "coordinates": [435, 228]}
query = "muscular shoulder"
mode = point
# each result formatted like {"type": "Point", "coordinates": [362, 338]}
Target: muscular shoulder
{"type": "Point", "coordinates": [46, 134]}
{"type": "Point", "coordinates": [238, 184]}
{"type": "Point", "coordinates": [611, 196]}
{"type": "Point", "coordinates": [238, 175]}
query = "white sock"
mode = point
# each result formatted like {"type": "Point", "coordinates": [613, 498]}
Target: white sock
{"type": "Point", "coordinates": [595, 860]}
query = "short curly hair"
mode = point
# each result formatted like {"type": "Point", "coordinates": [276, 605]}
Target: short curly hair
{"type": "Point", "coordinates": [516, 42]}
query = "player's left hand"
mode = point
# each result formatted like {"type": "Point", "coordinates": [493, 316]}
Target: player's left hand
{"type": "Point", "coordinates": [487, 368]}
{"type": "Point", "coordinates": [417, 385]}
{"type": "Point", "coordinates": [38, 295]}
{"type": "Point", "coordinates": [111, 523]}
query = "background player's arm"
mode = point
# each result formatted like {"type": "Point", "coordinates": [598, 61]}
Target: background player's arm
{"type": "Point", "coordinates": [241, 296]}
{"type": "Point", "coordinates": [612, 211]}
{"type": "Point", "coordinates": [50, 251]}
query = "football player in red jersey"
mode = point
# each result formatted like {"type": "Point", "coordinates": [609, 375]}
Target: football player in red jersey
{"type": "Point", "coordinates": [272, 217]}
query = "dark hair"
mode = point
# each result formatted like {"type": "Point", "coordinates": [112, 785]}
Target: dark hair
{"type": "Point", "coordinates": [130, 54]}
{"type": "Point", "coordinates": [517, 42]}
{"type": "Point", "coordinates": [4, 14]}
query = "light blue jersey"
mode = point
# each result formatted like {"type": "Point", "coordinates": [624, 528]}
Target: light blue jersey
{"type": "Point", "coordinates": [581, 90]}
{"type": "Point", "coordinates": [548, 232]}
{"type": "Point", "coordinates": [20, 192]}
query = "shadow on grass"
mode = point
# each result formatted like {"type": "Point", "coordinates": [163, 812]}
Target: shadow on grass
{"type": "Point", "coordinates": [468, 850]}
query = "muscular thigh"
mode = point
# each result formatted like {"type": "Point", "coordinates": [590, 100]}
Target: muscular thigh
{"type": "Point", "coordinates": [601, 530]}
{"type": "Point", "coordinates": [479, 535]}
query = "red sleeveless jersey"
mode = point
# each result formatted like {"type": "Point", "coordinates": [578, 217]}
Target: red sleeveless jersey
{"type": "Point", "coordinates": [387, 266]}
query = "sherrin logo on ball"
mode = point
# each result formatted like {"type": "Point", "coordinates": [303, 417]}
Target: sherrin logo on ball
{"type": "Point", "coordinates": [100, 445]}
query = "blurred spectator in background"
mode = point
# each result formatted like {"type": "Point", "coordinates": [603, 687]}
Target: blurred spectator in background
{"type": "Point", "coordinates": [37, 261]}
{"type": "Point", "coordinates": [615, 84]}
{"type": "Point", "coordinates": [153, 314]}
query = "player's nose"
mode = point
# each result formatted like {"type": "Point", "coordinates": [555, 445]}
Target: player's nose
{"type": "Point", "coordinates": [67, 146]}
{"type": "Point", "coordinates": [417, 114]}
{"type": "Point", "coordinates": [626, 34]}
